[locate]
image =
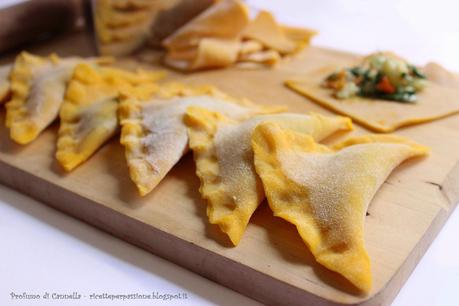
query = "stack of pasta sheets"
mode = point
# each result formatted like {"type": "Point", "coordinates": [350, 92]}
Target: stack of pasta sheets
{"type": "Point", "coordinates": [122, 26]}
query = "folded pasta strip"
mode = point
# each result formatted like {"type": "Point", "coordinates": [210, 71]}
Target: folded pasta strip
{"type": "Point", "coordinates": [224, 160]}
{"type": "Point", "coordinates": [325, 192]}
{"type": "Point", "coordinates": [154, 134]}
{"type": "Point", "coordinates": [88, 115]}
{"type": "Point", "coordinates": [223, 20]}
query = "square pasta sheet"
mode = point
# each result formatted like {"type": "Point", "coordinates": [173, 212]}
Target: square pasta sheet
{"type": "Point", "coordinates": [439, 99]}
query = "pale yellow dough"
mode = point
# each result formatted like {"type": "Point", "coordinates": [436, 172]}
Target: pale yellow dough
{"type": "Point", "coordinates": [88, 115]}
{"type": "Point", "coordinates": [265, 30]}
{"type": "Point", "coordinates": [154, 134]}
{"type": "Point", "coordinates": [224, 160]}
{"type": "Point", "coordinates": [439, 75]}
{"type": "Point", "coordinates": [224, 20]}
{"type": "Point", "coordinates": [325, 192]}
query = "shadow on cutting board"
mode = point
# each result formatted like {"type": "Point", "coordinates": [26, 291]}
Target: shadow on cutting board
{"type": "Point", "coordinates": [112, 155]}
{"type": "Point", "coordinates": [212, 231]}
{"type": "Point", "coordinates": [287, 241]}
{"type": "Point", "coordinates": [6, 144]}
{"type": "Point", "coordinates": [120, 249]}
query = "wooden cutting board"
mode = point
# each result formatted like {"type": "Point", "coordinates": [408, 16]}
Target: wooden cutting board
{"type": "Point", "coordinates": [271, 264]}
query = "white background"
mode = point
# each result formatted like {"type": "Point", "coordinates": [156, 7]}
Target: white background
{"type": "Point", "coordinates": [44, 250]}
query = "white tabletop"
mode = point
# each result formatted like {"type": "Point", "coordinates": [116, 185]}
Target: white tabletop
{"type": "Point", "coordinates": [46, 251]}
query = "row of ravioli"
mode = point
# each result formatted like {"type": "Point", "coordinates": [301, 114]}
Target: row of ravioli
{"type": "Point", "coordinates": [82, 93]}
{"type": "Point", "coordinates": [246, 152]}
{"type": "Point", "coordinates": [243, 151]}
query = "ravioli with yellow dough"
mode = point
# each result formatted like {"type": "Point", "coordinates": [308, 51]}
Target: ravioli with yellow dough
{"type": "Point", "coordinates": [38, 86]}
{"type": "Point", "coordinates": [382, 93]}
{"type": "Point", "coordinates": [325, 192]}
{"type": "Point", "coordinates": [224, 160]}
{"type": "Point", "coordinates": [154, 134]}
{"type": "Point", "coordinates": [88, 115]}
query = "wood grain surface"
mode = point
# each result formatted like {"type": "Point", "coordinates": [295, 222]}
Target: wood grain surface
{"type": "Point", "coordinates": [271, 264]}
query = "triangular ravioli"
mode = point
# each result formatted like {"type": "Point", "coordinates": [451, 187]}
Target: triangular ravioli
{"type": "Point", "coordinates": [325, 193]}
{"type": "Point", "coordinates": [5, 92]}
{"type": "Point", "coordinates": [155, 136]}
{"type": "Point", "coordinates": [88, 115]}
{"type": "Point", "coordinates": [38, 87]}
{"type": "Point", "coordinates": [224, 160]}
{"type": "Point", "coordinates": [436, 101]}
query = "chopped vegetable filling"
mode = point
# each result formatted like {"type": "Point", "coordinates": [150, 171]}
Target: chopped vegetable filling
{"type": "Point", "coordinates": [379, 76]}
